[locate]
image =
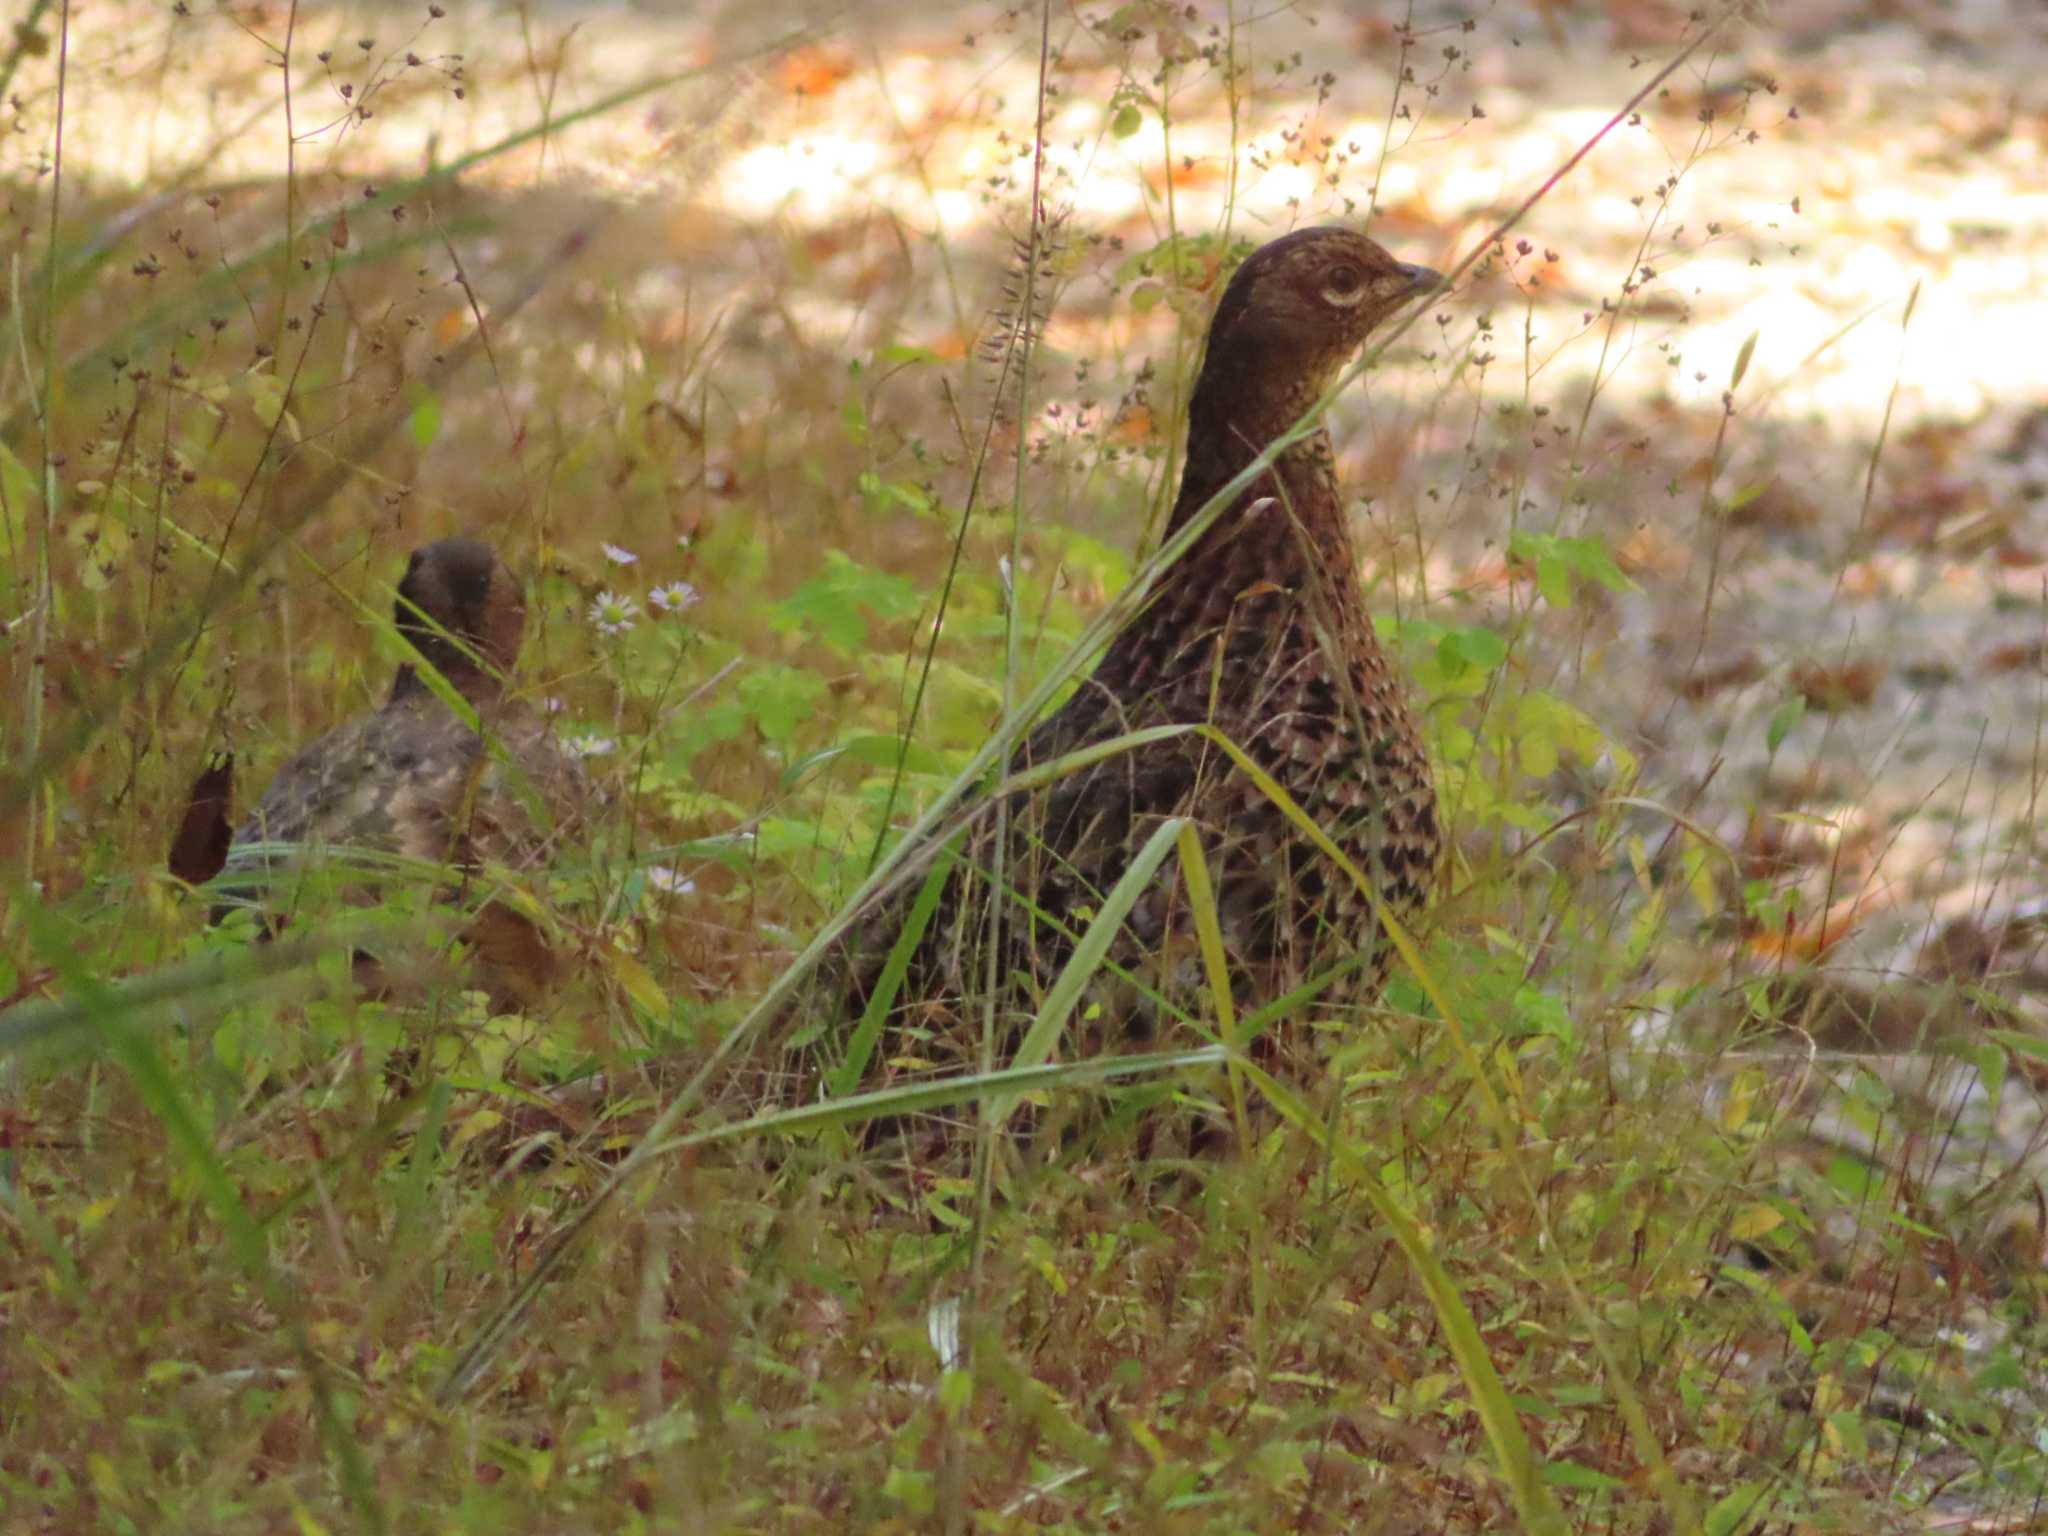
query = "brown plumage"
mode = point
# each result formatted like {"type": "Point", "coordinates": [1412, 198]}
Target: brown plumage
{"type": "Point", "coordinates": [1261, 631]}
{"type": "Point", "coordinates": [411, 777]}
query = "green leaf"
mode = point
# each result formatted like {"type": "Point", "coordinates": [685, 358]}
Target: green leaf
{"type": "Point", "coordinates": [1784, 720]}
{"type": "Point", "coordinates": [835, 603]}
{"type": "Point", "coordinates": [1742, 360]}
{"type": "Point", "coordinates": [1747, 494]}
{"type": "Point", "coordinates": [780, 699]}
{"type": "Point", "coordinates": [425, 421]}
{"type": "Point", "coordinates": [1855, 1178]}
{"type": "Point", "coordinates": [2022, 1044]}
{"type": "Point", "coordinates": [1591, 559]}
{"type": "Point", "coordinates": [1128, 120]}
{"type": "Point", "coordinates": [1472, 645]}
{"type": "Point", "coordinates": [1538, 755]}
{"type": "Point", "coordinates": [1570, 1474]}
{"type": "Point", "coordinates": [1736, 1510]}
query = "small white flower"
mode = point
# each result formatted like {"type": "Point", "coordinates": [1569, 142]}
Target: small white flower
{"type": "Point", "coordinates": [674, 882]}
{"type": "Point", "coordinates": [589, 744]}
{"type": "Point", "coordinates": [613, 614]}
{"type": "Point", "coordinates": [675, 597]}
{"type": "Point", "coordinates": [618, 556]}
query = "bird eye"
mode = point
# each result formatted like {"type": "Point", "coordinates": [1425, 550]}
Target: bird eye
{"type": "Point", "coordinates": [1344, 287]}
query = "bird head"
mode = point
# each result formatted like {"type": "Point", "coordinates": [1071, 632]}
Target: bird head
{"type": "Point", "coordinates": [462, 587]}
{"type": "Point", "coordinates": [1301, 305]}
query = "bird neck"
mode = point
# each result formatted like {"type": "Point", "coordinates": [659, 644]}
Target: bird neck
{"type": "Point", "coordinates": [465, 677]}
{"type": "Point", "coordinates": [1304, 528]}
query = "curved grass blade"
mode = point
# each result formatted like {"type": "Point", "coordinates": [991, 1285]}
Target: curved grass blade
{"type": "Point", "coordinates": [1194, 867]}
{"type": "Point", "coordinates": [219, 979]}
{"type": "Point", "coordinates": [861, 1044]}
{"type": "Point", "coordinates": [1086, 960]}
{"type": "Point", "coordinates": [910, 1098]}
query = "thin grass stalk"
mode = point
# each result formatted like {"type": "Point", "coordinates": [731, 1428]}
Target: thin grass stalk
{"type": "Point", "coordinates": [291, 185]}
{"type": "Point", "coordinates": [1884, 428]}
{"type": "Point", "coordinates": [888, 1103]}
{"type": "Point", "coordinates": [1085, 961]}
{"type": "Point", "coordinates": [43, 592]}
{"type": "Point", "coordinates": [1017, 363]}
{"type": "Point", "coordinates": [189, 989]}
{"type": "Point", "coordinates": [1711, 513]}
{"type": "Point", "coordinates": [845, 1078]}
{"type": "Point", "coordinates": [1194, 866]}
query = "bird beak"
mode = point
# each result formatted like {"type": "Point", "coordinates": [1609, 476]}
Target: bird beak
{"type": "Point", "coordinates": [1422, 279]}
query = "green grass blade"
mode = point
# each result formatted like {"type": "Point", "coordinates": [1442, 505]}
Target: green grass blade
{"type": "Point", "coordinates": [860, 1045]}
{"type": "Point", "coordinates": [1087, 958]}
{"type": "Point", "coordinates": [1534, 1506]}
{"type": "Point", "coordinates": [911, 1098]}
{"type": "Point", "coordinates": [1194, 867]}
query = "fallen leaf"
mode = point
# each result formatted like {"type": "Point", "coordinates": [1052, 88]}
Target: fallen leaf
{"type": "Point", "coordinates": [1736, 672]}
{"type": "Point", "coordinates": [200, 849]}
{"type": "Point", "coordinates": [1845, 685]}
{"type": "Point", "coordinates": [815, 71]}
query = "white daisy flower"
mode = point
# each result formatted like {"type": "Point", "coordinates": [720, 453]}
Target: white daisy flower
{"type": "Point", "coordinates": [613, 613]}
{"type": "Point", "coordinates": [618, 556]}
{"type": "Point", "coordinates": [675, 597]}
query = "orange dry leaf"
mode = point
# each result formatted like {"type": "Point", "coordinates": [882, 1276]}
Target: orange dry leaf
{"type": "Point", "coordinates": [1650, 551]}
{"type": "Point", "coordinates": [2021, 657]}
{"type": "Point", "coordinates": [1736, 672]}
{"type": "Point", "coordinates": [1134, 424]}
{"type": "Point", "coordinates": [1205, 171]}
{"type": "Point", "coordinates": [449, 328]}
{"type": "Point", "coordinates": [815, 71]}
{"type": "Point", "coordinates": [1845, 685]}
{"type": "Point", "coordinates": [1804, 943]}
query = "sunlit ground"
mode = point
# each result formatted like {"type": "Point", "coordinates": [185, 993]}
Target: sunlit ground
{"type": "Point", "coordinates": [1905, 165]}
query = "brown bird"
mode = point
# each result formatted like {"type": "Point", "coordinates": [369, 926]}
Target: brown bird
{"type": "Point", "coordinates": [1259, 631]}
{"type": "Point", "coordinates": [412, 778]}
